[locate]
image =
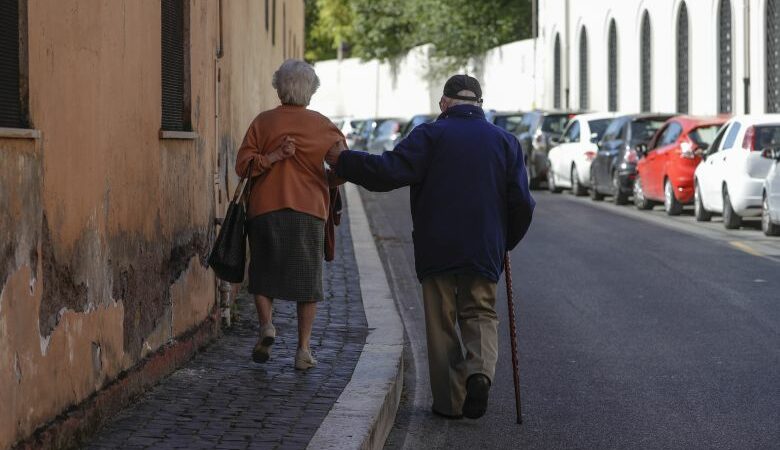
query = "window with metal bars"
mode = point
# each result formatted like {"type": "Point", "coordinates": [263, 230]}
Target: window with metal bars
{"type": "Point", "coordinates": [174, 48]}
{"type": "Point", "coordinates": [612, 67]}
{"type": "Point", "coordinates": [725, 58]}
{"type": "Point", "coordinates": [584, 92]}
{"type": "Point", "coordinates": [682, 59]}
{"type": "Point", "coordinates": [646, 64]}
{"type": "Point", "coordinates": [10, 94]}
{"type": "Point", "coordinates": [557, 72]}
{"type": "Point", "coordinates": [773, 56]}
{"type": "Point", "coordinates": [273, 23]}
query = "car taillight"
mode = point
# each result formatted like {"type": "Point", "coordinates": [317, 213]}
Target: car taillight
{"type": "Point", "coordinates": [686, 150]}
{"type": "Point", "coordinates": [631, 156]}
{"type": "Point", "coordinates": [749, 142]}
{"type": "Point", "coordinates": [589, 155]}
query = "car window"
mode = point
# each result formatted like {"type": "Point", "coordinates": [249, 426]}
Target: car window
{"type": "Point", "coordinates": [530, 122]}
{"type": "Point", "coordinates": [731, 136]}
{"type": "Point", "coordinates": [509, 123]}
{"type": "Point", "coordinates": [555, 123]}
{"type": "Point", "coordinates": [614, 130]}
{"type": "Point", "coordinates": [767, 136]}
{"type": "Point", "coordinates": [670, 135]}
{"type": "Point", "coordinates": [705, 135]}
{"type": "Point", "coordinates": [642, 130]}
{"type": "Point", "coordinates": [572, 132]}
{"type": "Point", "coordinates": [386, 128]}
{"type": "Point", "coordinates": [717, 141]}
{"type": "Point", "coordinates": [597, 128]}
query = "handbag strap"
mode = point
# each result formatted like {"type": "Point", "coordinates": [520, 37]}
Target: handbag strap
{"type": "Point", "coordinates": [243, 183]}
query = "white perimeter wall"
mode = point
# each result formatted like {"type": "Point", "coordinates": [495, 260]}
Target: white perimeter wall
{"type": "Point", "coordinates": [518, 76]}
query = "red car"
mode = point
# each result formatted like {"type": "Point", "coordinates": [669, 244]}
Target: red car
{"type": "Point", "coordinates": [666, 165]}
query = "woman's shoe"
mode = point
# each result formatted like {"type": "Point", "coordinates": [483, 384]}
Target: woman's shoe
{"type": "Point", "coordinates": [262, 351]}
{"type": "Point", "coordinates": [304, 360]}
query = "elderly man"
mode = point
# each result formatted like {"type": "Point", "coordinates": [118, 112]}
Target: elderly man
{"type": "Point", "coordinates": [470, 204]}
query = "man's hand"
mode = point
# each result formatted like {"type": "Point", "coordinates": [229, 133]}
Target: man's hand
{"type": "Point", "coordinates": [332, 157]}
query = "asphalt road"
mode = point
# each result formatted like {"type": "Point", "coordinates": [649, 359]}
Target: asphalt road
{"type": "Point", "coordinates": [635, 331]}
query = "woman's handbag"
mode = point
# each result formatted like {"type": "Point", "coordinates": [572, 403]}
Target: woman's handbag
{"type": "Point", "coordinates": [228, 257]}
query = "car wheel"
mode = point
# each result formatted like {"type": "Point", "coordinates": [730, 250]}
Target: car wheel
{"type": "Point", "coordinates": [551, 186]}
{"type": "Point", "coordinates": [619, 197]}
{"type": "Point", "coordinates": [595, 195]}
{"type": "Point", "coordinates": [701, 214]}
{"type": "Point", "coordinates": [576, 187]}
{"type": "Point", "coordinates": [731, 220]}
{"type": "Point", "coordinates": [770, 229]}
{"type": "Point", "coordinates": [639, 196]}
{"type": "Point", "coordinates": [672, 206]}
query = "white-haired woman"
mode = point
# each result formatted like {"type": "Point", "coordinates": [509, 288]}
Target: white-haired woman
{"type": "Point", "coordinates": [288, 205]}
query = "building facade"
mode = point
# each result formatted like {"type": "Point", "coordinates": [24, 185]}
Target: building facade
{"type": "Point", "coordinates": [119, 124]}
{"type": "Point", "coordinates": [688, 56]}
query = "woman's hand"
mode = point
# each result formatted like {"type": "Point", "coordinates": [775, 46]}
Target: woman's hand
{"type": "Point", "coordinates": [285, 150]}
{"type": "Point", "coordinates": [332, 157]}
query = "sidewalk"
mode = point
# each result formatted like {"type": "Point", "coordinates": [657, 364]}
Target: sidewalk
{"type": "Point", "coordinates": [223, 400]}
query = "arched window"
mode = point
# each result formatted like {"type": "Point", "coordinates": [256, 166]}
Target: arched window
{"type": "Point", "coordinates": [682, 59]}
{"type": "Point", "coordinates": [772, 56]}
{"type": "Point", "coordinates": [725, 58]}
{"type": "Point", "coordinates": [557, 73]}
{"type": "Point", "coordinates": [646, 64]}
{"type": "Point", "coordinates": [584, 100]}
{"type": "Point", "coordinates": [612, 66]}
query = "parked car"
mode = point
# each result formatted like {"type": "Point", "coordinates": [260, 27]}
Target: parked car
{"type": "Point", "coordinates": [534, 132]}
{"type": "Point", "coordinates": [667, 164]}
{"type": "Point", "coordinates": [353, 136]}
{"type": "Point", "coordinates": [384, 135]}
{"type": "Point", "coordinates": [419, 119]}
{"type": "Point", "coordinates": [510, 121]}
{"type": "Point", "coordinates": [770, 204]}
{"type": "Point", "coordinates": [614, 168]}
{"type": "Point", "coordinates": [570, 160]}
{"type": "Point", "coordinates": [730, 180]}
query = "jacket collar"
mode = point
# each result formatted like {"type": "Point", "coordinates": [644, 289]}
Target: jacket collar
{"type": "Point", "coordinates": [464, 111]}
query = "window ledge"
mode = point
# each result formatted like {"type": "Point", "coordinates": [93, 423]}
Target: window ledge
{"type": "Point", "coordinates": [188, 135]}
{"type": "Point", "coordinates": [19, 133]}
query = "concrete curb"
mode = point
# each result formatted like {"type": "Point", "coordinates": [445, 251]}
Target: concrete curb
{"type": "Point", "coordinates": [363, 415]}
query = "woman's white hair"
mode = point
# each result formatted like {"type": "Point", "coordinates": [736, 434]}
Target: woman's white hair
{"type": "Point", "coordinates": [295, 82]}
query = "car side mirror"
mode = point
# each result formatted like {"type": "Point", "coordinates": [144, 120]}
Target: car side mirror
{"type": "Point", "coordinates": [594, 137]}
{"type": "Point", "coordinates": [641, 150]}
{"type": "Point", "coordinates": [555, 140]}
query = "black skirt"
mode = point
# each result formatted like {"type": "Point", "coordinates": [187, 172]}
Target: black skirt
{"type": "Point", "coordinates": [286, 252]}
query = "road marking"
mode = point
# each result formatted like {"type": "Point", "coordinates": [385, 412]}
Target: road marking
{"type": "Point", "coordinates": [746, 248]}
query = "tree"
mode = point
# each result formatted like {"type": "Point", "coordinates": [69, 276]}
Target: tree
{"type": "Point", "coordinates": [329, 25]}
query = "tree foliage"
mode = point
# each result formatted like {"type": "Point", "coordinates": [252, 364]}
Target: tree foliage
{"type": "Point", "coordinates": [458, 29]}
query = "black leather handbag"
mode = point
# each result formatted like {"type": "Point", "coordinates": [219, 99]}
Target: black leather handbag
{"type": "Point", "coordinates": [228, 256]}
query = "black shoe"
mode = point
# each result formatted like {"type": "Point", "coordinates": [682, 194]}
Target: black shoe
{"type": "Point", "coordinates": [446, 416]}
{"type": "Point", "coordinates": [477, 390]}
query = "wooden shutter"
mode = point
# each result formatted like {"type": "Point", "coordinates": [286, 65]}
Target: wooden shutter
{"type": "Point", "coordinates": [10, 98]}
{"type": "Point", "coordinates": [173, 65]}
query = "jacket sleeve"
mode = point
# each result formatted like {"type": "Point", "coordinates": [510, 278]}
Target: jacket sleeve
{"type": "Point", "coordinates": [248, 152]}
{"type": "Point", "coordinates": [521, 205]}
{"type": "Point", "coordinates": [404, 166]}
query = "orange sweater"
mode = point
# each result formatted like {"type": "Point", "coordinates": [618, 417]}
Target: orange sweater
{"type": "Point", "coordinates": [300, 182]}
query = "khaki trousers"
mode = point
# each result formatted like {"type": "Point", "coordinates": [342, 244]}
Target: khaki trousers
{"type": "Point", "coordinates": [469, 302]}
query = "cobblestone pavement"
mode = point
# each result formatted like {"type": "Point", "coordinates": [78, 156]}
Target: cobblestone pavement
{"type": "Point", "coordinates": [223, 400]}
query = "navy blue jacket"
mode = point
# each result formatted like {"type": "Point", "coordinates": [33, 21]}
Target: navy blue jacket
{"type": "Point", "coordinates": [469, 191]}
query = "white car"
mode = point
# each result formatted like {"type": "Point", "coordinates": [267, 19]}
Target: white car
{"type": "Point", "coordinates": [730, 179]}
{"type": "Point", "coordinates": [770, 208]}
{"type": "Point", "coordinates": [569, 162]}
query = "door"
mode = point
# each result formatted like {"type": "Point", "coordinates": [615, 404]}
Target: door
{"type": "Point", "coordinates": [571, 139]}
{"type": "Point", "coordinates": [613, 142]}
{"type": "Point", "coordinates": [706, 173]}
{"type": "Point", "coordinates": [720, 166]}
{"type": "Point", "coordinates": [655, 167]}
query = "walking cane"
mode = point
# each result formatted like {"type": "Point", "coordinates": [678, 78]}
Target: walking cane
{"type": "Point", "coordinates": [513, 335]}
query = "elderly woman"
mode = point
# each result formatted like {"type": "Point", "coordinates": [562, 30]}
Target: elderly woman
{"type": "Point", "coordinates": [288, 205]}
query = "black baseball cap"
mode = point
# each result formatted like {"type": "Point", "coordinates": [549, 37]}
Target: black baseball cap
{"type": "Point", "coordinates": [458, 83]}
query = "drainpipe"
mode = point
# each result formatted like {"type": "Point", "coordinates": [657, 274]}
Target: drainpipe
{"type": "Point", "coordinates": [566, 53]}
{"type": "Point", "coordinates": [224, 289]}
{"type": "Point", "coordinates": [746, 80]}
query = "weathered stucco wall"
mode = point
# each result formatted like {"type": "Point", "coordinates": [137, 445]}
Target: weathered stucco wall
{"type": "Point", "coordinates": [104, 226]}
